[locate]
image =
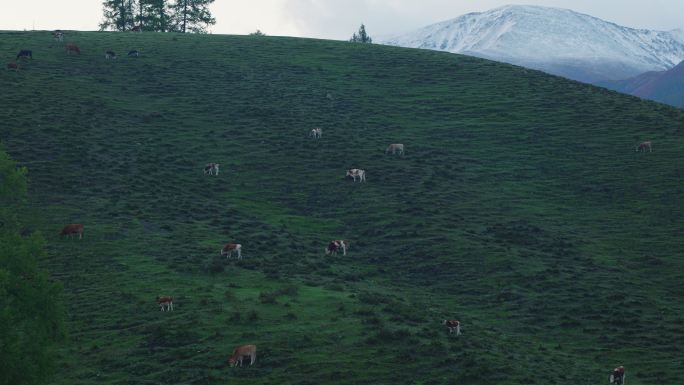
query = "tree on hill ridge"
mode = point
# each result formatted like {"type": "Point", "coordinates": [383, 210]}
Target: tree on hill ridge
{"type": "Point", "coordinates": [361, 36]}
{"type": "Point", "coordinates": [157, 15]}
{"type": "Point", "coordinates": [118, 15]}
{"type": "Point", "coordinates": [192, 15]}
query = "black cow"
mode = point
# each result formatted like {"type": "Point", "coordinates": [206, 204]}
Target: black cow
{"type": "Point", "coordinates": [133, 53]}
{"type": "Point", "coordinates": [25, 53]}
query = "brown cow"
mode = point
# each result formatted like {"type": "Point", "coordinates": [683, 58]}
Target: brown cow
{"type": "Point", "coordinates": [453, 326]}
{"type": "Point", "coordinates": [70, 230]}
{"type": "Point", "coordinates": [165, 300]}
{"type": "Point", "coordinates": [72, 48]}
{"type": "Point", "coordinates": [13, 66]}
{"type": "Point", "coordinates": [242, 351]}
{"type": "Point", "coordinates": [643, 146]}
{"type": "Point", "coordinates": [229, 248]}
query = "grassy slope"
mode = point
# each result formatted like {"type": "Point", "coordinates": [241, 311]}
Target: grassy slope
{"type": "Point", "coordinates": [520, 208]}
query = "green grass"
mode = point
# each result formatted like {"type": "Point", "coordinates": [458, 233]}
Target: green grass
{"type": "Point", "coordinates": [520, 208]}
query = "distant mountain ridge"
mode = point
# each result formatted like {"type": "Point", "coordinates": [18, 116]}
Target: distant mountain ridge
{"type": "Point", "coordinates": [663, 86]}
{"type": "Point", "coordinates": [554, 40]}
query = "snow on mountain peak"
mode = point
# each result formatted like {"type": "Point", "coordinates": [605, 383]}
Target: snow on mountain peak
{"type": "Point", "coordinates": [586, 47]}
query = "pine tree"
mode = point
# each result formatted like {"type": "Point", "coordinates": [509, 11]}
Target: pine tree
{"type": "Point", "coordinates": [155, 15]}
{"type": "Point", "coordinates": [118, 15]}
{"type": "Point", "coordinates": [192, 15]}
{"type": "Point", "coordinates": [361, 36]}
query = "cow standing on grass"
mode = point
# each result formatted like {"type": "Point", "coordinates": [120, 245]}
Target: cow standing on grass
{"type": "Point", "coordinates": [211, 169]}
{"type": "Point", "coordinates": [165, 301]}
{"type": "Point", "coordinates": [71, 230]}
{"type": "Point", "coordinates": [240, 353]}
{"type": "Point", "coordinates": [133, 53]}
{"type": "Point", "coordinates": [316, 133]}
{"type": "Point", "coordinates": [25, 54]}
{"type": "Point", "coordinates": [643, 146]}
{"type": "Point", "coordinates": [357, 173]}
{"type": "Point", "coordinates": [618, 376]}
{"type": "Point", "coordinates": [72, 48]}
{"type": "Point", "coordinates": [454, 326]}
{"type": "Point", "coordinates": [335, 246]}
{"type": "Point", "coordinates": [395, 148]}
{"type": "Point", "coordinates": [58, 35]}
{"type": "Point", "coordinates": [231, 248]}
{"type": "Point", "coordinates": [110, 55]}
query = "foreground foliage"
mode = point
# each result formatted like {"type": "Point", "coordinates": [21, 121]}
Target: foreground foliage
{"type": "Point", "coordinates": [31, 315]}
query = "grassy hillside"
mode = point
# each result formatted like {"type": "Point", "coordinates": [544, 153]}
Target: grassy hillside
{"type": "Point", "coordinates": [520, 208]}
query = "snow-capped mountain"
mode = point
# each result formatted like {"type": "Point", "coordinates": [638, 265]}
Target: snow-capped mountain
{"type": "Point", "coordinates": [555, 40]}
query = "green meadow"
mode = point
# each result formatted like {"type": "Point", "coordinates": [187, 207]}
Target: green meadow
{"type": "Point", "coordinates": [520, 208]}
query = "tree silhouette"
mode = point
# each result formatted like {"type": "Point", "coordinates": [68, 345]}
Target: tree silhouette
{"type": "Point", "coordinates": [361, 36]}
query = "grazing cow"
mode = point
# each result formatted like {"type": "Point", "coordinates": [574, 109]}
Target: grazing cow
{"type": "Point", "coordinates": [643, 146]}
{"type": "Point", "coordinates": [335, 246]}
{"type": "Point", "coordinates": [58, 35]}
{"type": "Point", "coordinates": [110, 55]}
{"type": "Point", "coordinates": [25, 53]}
{"type": "Point", "coordinates": [357, 173]}
{"type": "Point", "coordinates": [316, 133]}
{"type": "Point", "coordinates": [13, 66]}
{"type": "Point", "coordinates": [394, 148]}
{"type": "Point", "coordinates": [211, 169]}
{"type": "Point", "coordinates": [136, 28]}
{"type": "Point", "coordinates": [133, 53]}
{"type": "Point", "coordinates": [618, 376]}
{"type": "Point", "coordinates": [72, 48]}
{"type": "Point", "coordinates": [165, 300]}
{"type": "Point", "coordinates": [70, 230]}
{"type": "Point", "coordinates": [453, 326]}
{"type": "Point", "coordinates": [243, 351]}
{"type": "Point", "coordinates": [230, 248]}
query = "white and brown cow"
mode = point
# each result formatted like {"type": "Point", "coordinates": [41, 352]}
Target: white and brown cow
{"type": "Point", "coordinates": [453, 325]}
{"type": "Point", "coordinates": [165, 301]}
{"type": "Point", "coordinates": [231, 248]}
{"type": "Point", "coordinates": [211, 169]}
{"type": "Point", "coordinates": [643, 146]}
{"type": "Point", "coordinates": [243, 351]}
{"type": "Point", "coordinates": [618, 376]}
{"type": "Point", "coordinates": [335, 246]}
{"type": "Point", "coordinates": [395, 148]}
{"type": "Point", "coordinates": [357, 173]}
{"type": "Point", "coordinates": [316, 133]}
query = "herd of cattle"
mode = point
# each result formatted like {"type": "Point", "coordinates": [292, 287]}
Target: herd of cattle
{"type": "Point", "coordinates": [334, 247]}
{"type": "Point", "coordinates": [70, 49]}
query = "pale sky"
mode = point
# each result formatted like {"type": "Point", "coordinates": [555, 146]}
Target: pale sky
{"type": "Point", "coordinates": [337, 19]}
